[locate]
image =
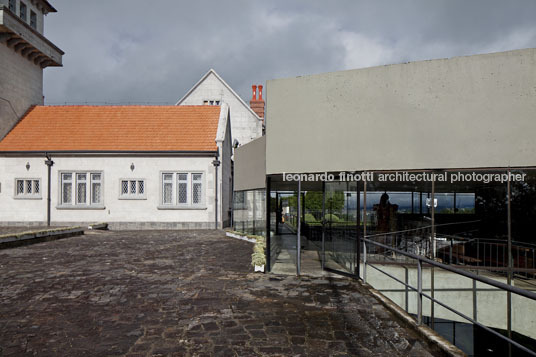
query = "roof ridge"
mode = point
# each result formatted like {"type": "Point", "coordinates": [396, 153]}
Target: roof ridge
{"type": "Point", "coordinates": [205, 76]}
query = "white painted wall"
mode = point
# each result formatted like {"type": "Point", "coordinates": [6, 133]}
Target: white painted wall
{"type": "Point", "coordinates": [245, 126]}
{"type": "Point", "coordinates": [139, 213]}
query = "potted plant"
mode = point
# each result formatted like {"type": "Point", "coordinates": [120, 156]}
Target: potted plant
{"type": "Point", "coordinates": [258, 258]}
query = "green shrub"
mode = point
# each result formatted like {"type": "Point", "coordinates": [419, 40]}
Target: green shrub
{"type": "Point", "coordinates": [309, 218]}
{"type": "Point", "coordinates": [331, 218]}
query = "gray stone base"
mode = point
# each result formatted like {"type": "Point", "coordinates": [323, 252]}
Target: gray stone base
{"type": "Point", "coordinates": [121, 225]}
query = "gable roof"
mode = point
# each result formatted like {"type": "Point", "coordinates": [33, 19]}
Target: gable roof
{"type": "Point", "coordinates": [115, 129]}
{"type": "Point", "coordinates": [212, 71]}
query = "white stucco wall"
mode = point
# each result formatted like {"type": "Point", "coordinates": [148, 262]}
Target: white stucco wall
{"type": "Point", "coordinates": [120, 213]}
{"type": "Point", "coordinates": [245, 126]}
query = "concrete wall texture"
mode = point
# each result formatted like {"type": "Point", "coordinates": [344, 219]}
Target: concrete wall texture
{"type": "Point", "coordinates": [21, 86]}
{"type": "Point", "coordinates": [462, 112]}
{"type": "Point", "coordinates": [245, 126]}
{"type": "Point", "coordinates": [250, 165]}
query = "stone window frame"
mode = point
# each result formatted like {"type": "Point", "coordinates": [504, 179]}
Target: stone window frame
{"type": "Point", "coordinates": [89, 190]}
{"type": "Point", "coordinates": [33, 19]}
{"type": "Point", "coordinates": [12, 5]}
{"type": "Point", "coordinates": [211, 102]}
{"type": "Point", "coordinates": [129, 195]}
{"type": "Point", "coordinates": [23, 11]}
{"type": "Point", "coordinates": [174, 204]}
{"type": "Point", "coordinates": [28, 194]}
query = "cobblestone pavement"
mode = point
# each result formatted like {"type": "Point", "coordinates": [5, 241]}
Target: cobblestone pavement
{"type": "Point", "coordinates": [181, 293]}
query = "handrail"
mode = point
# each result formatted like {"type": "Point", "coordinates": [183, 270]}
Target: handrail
{"type": "Point", "coordinates": [420, 228]}
{"type": "Point", "coordinates": [497, 284]}
{"type": "Point", "coordinates": [420, 293]}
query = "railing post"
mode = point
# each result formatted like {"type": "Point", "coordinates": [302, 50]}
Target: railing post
{"type": "Point", "coordinates": [450, 254]}
{"type": "Point", "coordinates": [474, 300]}
{"type": "Point", "coordinates": [364, 261]}
{"type": "Point", "coordinates": [406, 280]}
{"type": "Point", "coordinates": [419, 292]}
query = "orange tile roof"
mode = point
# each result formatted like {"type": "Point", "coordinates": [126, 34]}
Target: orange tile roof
{"type": "Point", "coordinates": [115, 128]}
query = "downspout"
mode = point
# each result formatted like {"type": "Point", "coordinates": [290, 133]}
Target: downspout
{"type": "Point", "coordinates": [49, 164]}
{"type": "Point", "coordinates": [216, 163]}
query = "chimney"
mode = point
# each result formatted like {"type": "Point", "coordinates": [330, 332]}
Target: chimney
{"type": "Point", "coordinates": [257, 104]}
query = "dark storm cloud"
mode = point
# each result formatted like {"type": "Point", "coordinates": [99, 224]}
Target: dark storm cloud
{"type": "Point", "coordinates": [154, 51]}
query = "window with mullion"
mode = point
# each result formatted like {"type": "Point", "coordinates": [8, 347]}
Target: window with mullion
{"type": "Point", "coordinates": [81, 189]}
{"type": "Point", "coordinates": [27, 188]}
{"type": "Point", "coordinates": [182, 189]}
{"type": "Point", "coordinates": [132, 188]}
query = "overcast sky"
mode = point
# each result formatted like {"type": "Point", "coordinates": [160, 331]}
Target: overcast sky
{"type": "Point", "coordinates": [120, 51]}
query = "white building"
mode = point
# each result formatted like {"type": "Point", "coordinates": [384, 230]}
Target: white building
{"type": "Point", "coordinates": [246, 121]}
{"type": "Point", "coordinates": [24, 52]}
{"type": "Point", "coordinates": [130, 166]}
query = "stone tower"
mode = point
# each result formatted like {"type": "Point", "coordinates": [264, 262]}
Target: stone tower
{"type": "Point", "coordinates": [24, 53]}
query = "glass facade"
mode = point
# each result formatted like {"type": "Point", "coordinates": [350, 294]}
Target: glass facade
{"type": "Point", "coordinates": [249, 213]}
{"type": "Point", "coordinates": [476, 220]}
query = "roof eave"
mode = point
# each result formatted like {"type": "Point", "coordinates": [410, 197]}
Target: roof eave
{"type": "Point", "coordinates": [196, 153]}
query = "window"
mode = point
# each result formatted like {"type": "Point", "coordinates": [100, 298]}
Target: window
{"type": "Point", "coordinates": [27, 188]}
{"type": "Point", "coordinates": [183, 189]}
{"type": "Point", "coordinates": [132, 189]}
{"type": "Point", "coordinates": [22, 11]}
{"type": "Point", "coordinates": [13, 6]}
{"type": "Point", "coordinates": [33, 20]}
{"type": "Point", "coordinates": [81, 189]}
{"type": "Point", "coordinates": [211, 102]}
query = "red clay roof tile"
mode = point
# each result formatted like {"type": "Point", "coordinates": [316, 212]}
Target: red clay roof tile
{"type": "Point", "coordinates": [115, 128]}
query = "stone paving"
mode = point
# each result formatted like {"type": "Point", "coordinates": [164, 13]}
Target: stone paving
{"type": "Point", "coordinates": [181, 293]}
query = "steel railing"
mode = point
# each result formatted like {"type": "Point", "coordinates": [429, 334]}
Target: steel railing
{"type": "Point", "coordinates": [509, 289]}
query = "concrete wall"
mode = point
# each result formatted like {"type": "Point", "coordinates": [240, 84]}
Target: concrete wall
{"type": "Point", "coordinates": [463, 112]}
{"type": "Point", "coordinates": [21, 84]}
{"type": "Point", "coordinates": [250, 165]}
{"type": "Point", "coordinates": [245, 126]}
{"type": "Point", "coordinates": [226, 177]}
{"type": "Point", "coordinates": [121, 213]}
